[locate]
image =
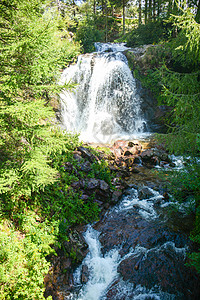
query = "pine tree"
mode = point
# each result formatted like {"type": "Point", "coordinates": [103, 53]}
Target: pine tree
{"type": "Point", "coordinates": [31, 54]}
{"type": "Point", "coordinates": [181, 87]}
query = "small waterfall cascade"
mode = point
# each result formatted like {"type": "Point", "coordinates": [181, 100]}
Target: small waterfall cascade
{"type": "Point", "coordinates": [125, 263]}
{"type": "Point", "coordinates": [103, 269]}
{"type": "Point", "coordinates": [105, 104]}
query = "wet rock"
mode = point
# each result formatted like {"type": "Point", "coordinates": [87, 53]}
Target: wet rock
{"type": "Point", "coordinates": [77, 245]}
{"type": "Point", "coordinates": [154, 156]}
{"type": "Point", "coordinates": [145, 193]}
{"type": "Point", "coordinates": [117, 152]}
{"type": "Point", "coordinates": [134, 230]}
{"type": "Point", "coordinates": [92, 184]}
{"type": "Point", "coordinates": [137, 160]}
{"type": "Point", "coordinates": [163, 265]}
{"type": "Point", "coordinates": [134, 170]}
{"type": "Point", "coordinates": [85, 152]}
{"type": "Point", "coordinates": [86, 167]}
{"type": "Point", "coordinates": [84, 274]}
{"type": "Point", "coordinates": [129, 161]}
{"type": "Point", "coordinates": [148, 156]}
{"type": "Point", "coordinates": [120, 143]}
{"type": "Point", "coordinates": [166, 196]}
{"type": "Point", "coordinates": [116, 196]}
{"type": "Point", "coordinates": [126, 148]}
{"type": "Point", "coordinates": [131, 151]}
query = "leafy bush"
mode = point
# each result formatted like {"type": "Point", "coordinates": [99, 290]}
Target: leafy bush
{"type": "Point", "coordinates": [151, 33]}
{"type": "Point", "coordinates": [32, 54]}
{"type": "Point", "coordinates": [184, 185]}
{"type": "Point", "coordinates": [22, 258]}
{"type": "Point", "coordinates": [87, 34]}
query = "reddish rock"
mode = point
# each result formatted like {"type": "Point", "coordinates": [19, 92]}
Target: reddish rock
{"type": "Point", "coordinates": [131, 151]}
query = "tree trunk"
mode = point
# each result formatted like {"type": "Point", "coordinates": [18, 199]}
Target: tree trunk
{"type": "Point", "coordinates": [124, 17]}
{"type": "Point", "coordinates": [154, 10]}
{"type": "Point", "coordinates": [106, 10]}
{"type": "Point", "coordinates": [158, 10]}
{"type": "Point", "coordinates": [140, 13]}
{"type": "Point", "coordinates": [150, 11]}
{"type": "Point", "coordinates": [169, 10]}
{"type": "Point", "coordinates": [145, 12]}
{"type": "Point", "coordinates": [102, 5]}
{"type": "Point", "coordinates": [197, 17]}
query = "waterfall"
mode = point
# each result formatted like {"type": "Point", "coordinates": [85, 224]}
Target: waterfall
{"type": "Point", "coordinates": [103, 272]}
{"type": "Point", "coordinates": [105, 104]}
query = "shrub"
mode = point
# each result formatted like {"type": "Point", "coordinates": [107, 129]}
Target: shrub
{"type": "Point", "coordinates": [87, 34]}
{"type": "Point", "coordinates": [22, 258]}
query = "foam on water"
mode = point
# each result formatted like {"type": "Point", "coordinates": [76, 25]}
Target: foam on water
{"type": "Point", "coordinates": [103, 272]}
{"type": "Point", "coordinates": [105, 104]}
{"type": "Point", "coordinates": [144, 206]}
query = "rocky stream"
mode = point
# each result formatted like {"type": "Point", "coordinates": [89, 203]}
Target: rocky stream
{"type": "Point", "coordinates": [139, 247]}
{"type": "Point", "coordinates": [137, 250]}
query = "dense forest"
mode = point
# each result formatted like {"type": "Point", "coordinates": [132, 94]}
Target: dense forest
{"type": "Point", "coordinates": [38, 40]}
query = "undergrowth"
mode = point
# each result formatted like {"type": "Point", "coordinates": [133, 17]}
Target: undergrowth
{"type": "Point", "coordinates": [31, 227]}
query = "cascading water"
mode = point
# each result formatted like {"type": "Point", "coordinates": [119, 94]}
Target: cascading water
{"type": "Point", "coordinates": [105, 104]}
{"type": "Point", "coordinates": [104, 280]}
{"type": "Point", "coordinates": [134, 251]}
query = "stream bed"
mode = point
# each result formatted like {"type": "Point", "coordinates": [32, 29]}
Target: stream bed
{"type": "Point", "coordinates": [136, 252]}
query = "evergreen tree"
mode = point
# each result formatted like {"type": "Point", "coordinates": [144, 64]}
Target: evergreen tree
{"type": "Point", "coordinates": [31, 54]}
{"type": "Point", "coordinates": [181, 85]}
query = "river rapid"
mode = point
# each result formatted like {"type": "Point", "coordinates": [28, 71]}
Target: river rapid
{"type": "Point", "coordinates": [137, 250]}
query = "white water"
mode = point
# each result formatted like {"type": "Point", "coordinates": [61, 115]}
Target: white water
{"type": "Point", "coordinates": [105, 104]}
{"type": "Point", "coordinates": [103, 269]}
{"type": "Point", "coordinates": [145, 206]}
{"type": "Point", "coordinates": [103, 272]}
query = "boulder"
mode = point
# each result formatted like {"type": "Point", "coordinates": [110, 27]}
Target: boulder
{"type": "Point", "coordinates": [163, 265]}
{"type": "Point", "coordinates": [84, 274]}
{"type": "Point", "coordinates": [92, 184]}
{"type": "Point", "coordinates": [145, 193]}
{"type": "Point", "coordinates": [86, 153]}
{"type": "Point", "coordinates": [154, 156]}
{"type": "Point", "coordinates": [126, 148]}
{"type": "Point", "coordinates": [104, 186]}
{"type": "Point", "coordinates": [116, 196]}
{"type": "Point", "coordinates": [85, 167]}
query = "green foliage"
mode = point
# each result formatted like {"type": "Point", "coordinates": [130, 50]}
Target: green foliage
{"type": "Point", "coordinates": [22, 258]}
{"type": "Point", "coordinates": [40, 220]}
{"type": "Point", "coordinates": [181, 91]}
{"type": "Point", "coordinates": [87, 33]}
{"type": "Point", "coordinates": [184, 185]}
{"type": "Point", "coordinates": [189, 38]}
{"type": "Point", "coordinates": [151, 33]}
{"type": "Point", "coordinates": [195, 237]}
{"type": "Point", "coordinates": [31, 55]}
